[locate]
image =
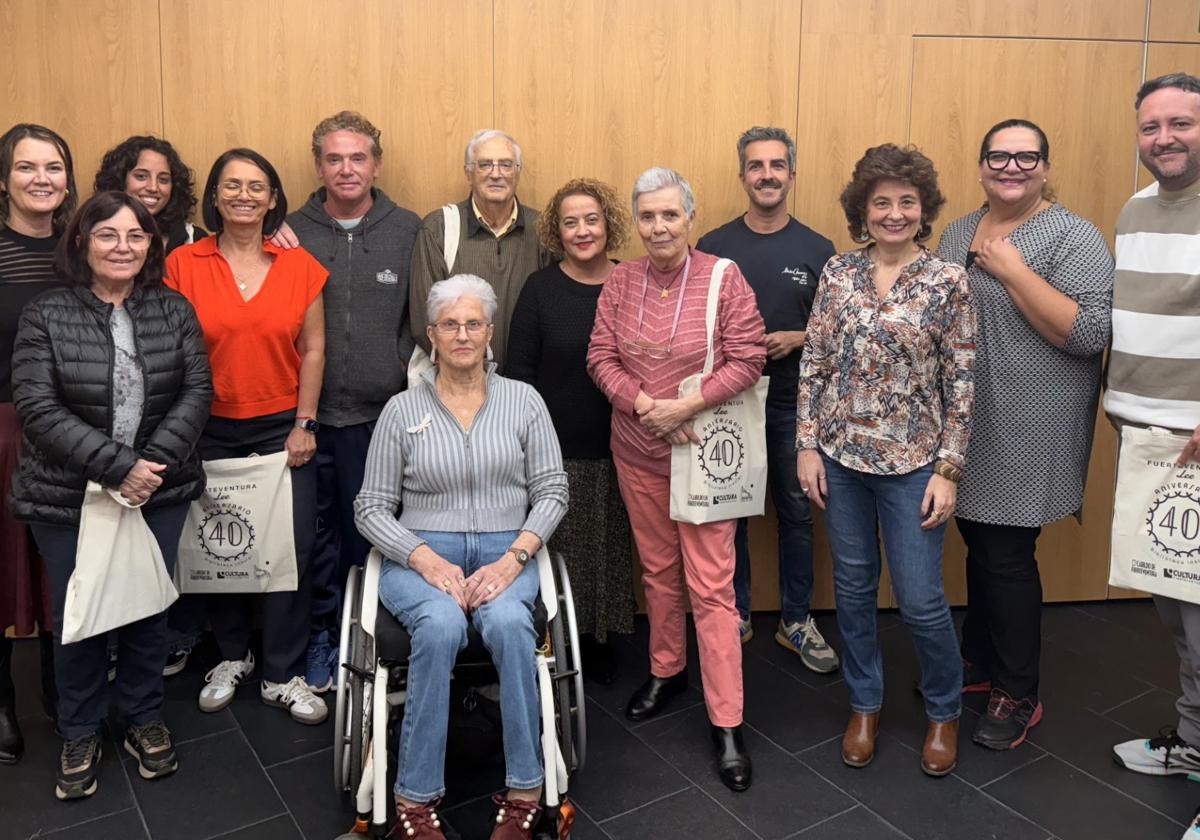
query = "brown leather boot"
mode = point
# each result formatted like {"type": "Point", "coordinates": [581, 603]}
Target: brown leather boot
{"type": "Point", "coordinates": [515, 818]}
{"type": "Point", "coordinates": [940, 754]}
{"type": "Point", "coordinates": [858, 744]}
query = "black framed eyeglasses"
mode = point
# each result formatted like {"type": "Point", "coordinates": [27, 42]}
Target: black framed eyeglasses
{"type": "Point", "coordinates": [1025, 160]}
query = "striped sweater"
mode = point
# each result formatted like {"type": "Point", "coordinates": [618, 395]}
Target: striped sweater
{"type": "Point", "coordinates": [738, 356]}
{"type": "Point", "coordinates": [505, 474]}
{"type": "Point", "coordinates": [1154, 366]}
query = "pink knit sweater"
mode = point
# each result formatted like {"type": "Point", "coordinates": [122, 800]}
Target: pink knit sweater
{"type": "Point", "coordinates": [738, 355]}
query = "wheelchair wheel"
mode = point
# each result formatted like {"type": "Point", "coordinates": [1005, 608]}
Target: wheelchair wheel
{"type": "Point", "coordinates": [361, 692]}
{"type": "Point", "coordinates": [569, 673]}
{"type": "Point", "coordinates": [351, 612]}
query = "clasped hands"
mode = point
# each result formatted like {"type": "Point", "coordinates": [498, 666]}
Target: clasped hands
{"type": "Point", "coordinates": [143, 478]}
{"type": "Point", "coordinates": [669, 420]}
{"type": "Point", "coordinates": [472, 592]}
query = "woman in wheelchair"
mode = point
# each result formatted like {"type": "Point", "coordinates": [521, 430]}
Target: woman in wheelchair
{"type": "Point", "coordinates": [471, 462]}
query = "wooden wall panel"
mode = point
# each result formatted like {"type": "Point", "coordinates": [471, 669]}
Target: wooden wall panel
{"type": "Point", "coordinates": [89, 69]}
{"type": "Point", "coordinates": [1174, 20]}
{"type": "Point", "coordinates": [262, 74]}
{"type": "Point", "coordinates": [1124, 19]}
{"type": "Point", "coordinates": [608, 88]}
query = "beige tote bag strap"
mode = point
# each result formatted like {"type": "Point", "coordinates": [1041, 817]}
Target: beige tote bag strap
{"type": "Point", "coordinates": [453, 232]}
{"type": "Point", "coordinates": [710, 311]}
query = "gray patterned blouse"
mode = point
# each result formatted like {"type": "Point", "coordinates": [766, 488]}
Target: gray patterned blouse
{"type": "Point", "coordinates": [128, 384]}
{"type": "Point", "coordinates": [1035, 405]}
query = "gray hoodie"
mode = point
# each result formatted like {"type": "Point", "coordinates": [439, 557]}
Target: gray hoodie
{"type": "Point", "coordinates": [367, 338]}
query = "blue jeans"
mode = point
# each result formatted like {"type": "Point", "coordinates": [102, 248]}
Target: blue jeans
{"type": "Point", "coordinates": [795, 525]}
{"type": "Point", "coordinates": [439, 631]}
{"type": "Point", "coordinates": [859, 506]}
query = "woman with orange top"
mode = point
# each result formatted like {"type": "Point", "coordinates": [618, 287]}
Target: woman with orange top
{"type": "Point", "coordinates": [264, 323]}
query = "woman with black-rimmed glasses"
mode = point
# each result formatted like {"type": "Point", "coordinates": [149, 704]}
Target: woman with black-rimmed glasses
{"type": "Point", "coordinates": [1042, 281]}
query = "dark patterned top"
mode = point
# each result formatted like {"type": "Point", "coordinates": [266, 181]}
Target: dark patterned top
{"type": "Point", "coordinates": [886, 386]}
{"type": "Point", "coordinates": [1035, 405]}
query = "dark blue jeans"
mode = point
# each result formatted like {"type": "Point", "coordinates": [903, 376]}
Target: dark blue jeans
{"type": "Point", "coordinates": [341, 458]}
{"type": "Point", "coordinates": [860, 505]}
{"type": "Point", "coordinates": [795, 525]}
{"type": "Point", "coordinates": [81, 668]}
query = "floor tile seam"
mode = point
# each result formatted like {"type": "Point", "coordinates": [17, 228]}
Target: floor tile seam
{"type": "Point", "coordinates": [854, 798]}
{"type": "Point", "coordinates": [287, 808]}
{"type": "Point", "coordinates": [88, 821]}
{"type": "Point", "coordinates": [1006, 806]}
{"type": "Point", "coordinates": [796, 753]}
{"type": "Point", "coordinates": [1016, 769]}
{"type": "Point", "coordinates": [1149, 690]}
{"type": "Point", "coordinates": [206, 736]}
{"type": "Point", "coordinates": [1114, 788]}
{"type": "Point", "coordinates": [470, 801]}
{"type": "Point", "coordinates": [637, 808]}
{"type": "Point", "coordinates": [252, 825]}
{"type": "Point", "coordinates": [787, 673]}
{"type": "Point", "coordinates": [816, 825]}
{"type": "Point", "coordinates": [583, 811]}
{"type": "Point", "coordinates": [295, 758]}
{"type": "Point", "coordinates": [133, 797]}
{"type": "Point", "coordinates": [634, 727]}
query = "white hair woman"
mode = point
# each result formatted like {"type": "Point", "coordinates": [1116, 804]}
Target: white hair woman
{"type": "Point", "coordinates": [649, 335]}
{"type": "Point", "coordinates": [472, 463]}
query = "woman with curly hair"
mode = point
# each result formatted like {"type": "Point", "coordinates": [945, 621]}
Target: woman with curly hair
{"type": "Point", "coordinates": [883, 413]}
{"type": "Point", "coordinates": [150, 170]}
{"type": "Point", "coordinates": [547, 347]}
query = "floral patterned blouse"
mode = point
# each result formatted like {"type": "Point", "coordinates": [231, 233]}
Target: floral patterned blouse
{"type": "Point", "coordinates": [886, 386]}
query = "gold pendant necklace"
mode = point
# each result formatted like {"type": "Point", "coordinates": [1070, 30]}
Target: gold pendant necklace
{"type": "Point", "coordinates": [665, 293]}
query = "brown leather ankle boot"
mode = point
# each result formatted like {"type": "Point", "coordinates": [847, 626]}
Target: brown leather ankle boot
{"type": "Point", "coordinates": [858, 744]}
{"type": "Point", "coordinates": [940, 754]}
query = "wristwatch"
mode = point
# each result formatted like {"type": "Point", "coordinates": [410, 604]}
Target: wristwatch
{"type": "Point", "coordinates": [948, 471]}
{"type": "Point", "coordinates": [308, 424]}
{"type": "Point", "coordinates": [521, 554]}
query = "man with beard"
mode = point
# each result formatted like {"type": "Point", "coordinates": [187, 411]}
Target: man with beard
{"type": "Point", "coordinates": [1154, 366]}
{"type": "Point", "coordinates": [782, 260]}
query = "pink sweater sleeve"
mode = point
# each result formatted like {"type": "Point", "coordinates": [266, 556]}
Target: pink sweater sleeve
{"type": "Point", "coordinates": [604, 353]}
{"type": "Point", "coordinates": [742, 346]}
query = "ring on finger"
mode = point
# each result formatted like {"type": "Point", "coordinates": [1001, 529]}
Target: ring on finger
{"type": "Point", "coordinates": [491, 588]}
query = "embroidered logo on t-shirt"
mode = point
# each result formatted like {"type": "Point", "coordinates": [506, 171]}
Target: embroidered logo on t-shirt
{"type": "Point", "coordinates": [798, 275]}
{"type": "Point", "coordinates": [388, 277]}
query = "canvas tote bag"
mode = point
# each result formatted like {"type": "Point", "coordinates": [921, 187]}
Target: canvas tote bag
{"type": "Point", "coordinates": [238, 535]}
{"type": "Point", "coordinates": [1156, 517]}
{"type": "Point", "coordinates": [725, 476]}
{"type": "Point", "coordinates": [119, 575]}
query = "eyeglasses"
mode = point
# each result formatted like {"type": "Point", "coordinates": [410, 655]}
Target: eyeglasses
{"type": "Point", "coordinates": [452, 327]}
{"type": "Point", "coordinates": [1025, 160]}
{"type": "Point", "coordinates": [136, 239]}
{"type": "Point", "coordinates": [505, 166]}
{"type": "Point", "coordinates": [257, 189]}
{"type": "Point", "coordinates": [645, 348]}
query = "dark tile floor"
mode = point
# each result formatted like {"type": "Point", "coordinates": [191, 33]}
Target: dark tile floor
{"type": "Point", "coordinates": [1108, 675]}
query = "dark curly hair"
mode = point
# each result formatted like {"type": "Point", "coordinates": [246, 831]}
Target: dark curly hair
{"type": "Point", "coordinates": [896, 163]}
{"type": "Point", "coordinates": [617, 221]}
{"type": "Point", "coordinates": [8, 148]}
{"type": "Point", "coordinates": [120, 160]}
{"type": "Point", "coordinates": [71, 255]}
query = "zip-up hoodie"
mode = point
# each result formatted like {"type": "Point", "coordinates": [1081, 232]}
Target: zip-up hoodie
{"type": "Point", "coordinates": [367, 338]}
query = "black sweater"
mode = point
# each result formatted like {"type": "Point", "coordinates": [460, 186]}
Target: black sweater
{"type": "Point", "coordinates": [547, 347]}
{"type": "Point", "coordinates": [62, 388]}
{"type": "Point", "coordinates": [26, 270]}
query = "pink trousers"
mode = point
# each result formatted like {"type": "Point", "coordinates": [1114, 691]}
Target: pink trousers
{"type": "Point", "coordinates": [672, 554]}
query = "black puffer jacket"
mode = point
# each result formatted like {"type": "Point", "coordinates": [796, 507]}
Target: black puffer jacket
{"type": "Point", "coordinates": [62, 387]}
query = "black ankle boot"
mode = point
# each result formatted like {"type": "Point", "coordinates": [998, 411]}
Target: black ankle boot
{"type": "Point", "coordinates": [12, 743]}
{"type": "Point", "coordinates": [599, 663]}
{"type": "Point", "coordinates": [653, 695]}
{"type": "Point", "coordinates": [733, 761]}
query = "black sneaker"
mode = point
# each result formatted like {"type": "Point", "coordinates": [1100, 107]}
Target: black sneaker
{"type": "Point", "coordinates": [77, 767]}
{"type": "Point", "coordinates": [1007, 722]}
{"type": "Point", "coordinates": [151, 746]}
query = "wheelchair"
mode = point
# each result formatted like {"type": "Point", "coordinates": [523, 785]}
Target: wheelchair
{"type": "Point", "coordinates": [372, 678]}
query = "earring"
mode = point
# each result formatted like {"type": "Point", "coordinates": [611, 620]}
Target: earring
{"type": "Point", "coordinates": [863, 236]}
{"type": "Point", "coordinates": [433, 355]}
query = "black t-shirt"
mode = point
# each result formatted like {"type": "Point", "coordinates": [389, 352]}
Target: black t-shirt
{"type": "Point", "coordinates": [547, 347]}
{"type": "Point", "coordinates": [26, 270]}
{"type": "Point", "coordinates": [783, 268]}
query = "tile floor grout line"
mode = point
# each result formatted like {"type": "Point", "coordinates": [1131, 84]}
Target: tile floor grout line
{"type": "Point", "coordinates": [270, 780]}
{"type": "Point", "coordinates": [654, 801]}
{"type": "Point", "coordinates": [1149, 690]}
{"type": "Point", "coordinates": [133, 795]}
{"type": "Point", "coordinates": [88, 821]}
{"type": "Point", "coordinates": [854, 798]}
{"type": "Point", "coordinates": [1016, 769]}
{"type": "Point", "coordinates": [296, 758]}
{"type": "Point", "coordinates": [251, 825]}
{"type": "Point", "coordinates": [583, 811]}
{"type": "Point", "coordinates": [1112, 787]}
{"type": "Point", "coordinates": [830, 818]}
{"type": "Point", "coordinates": [205, 736]}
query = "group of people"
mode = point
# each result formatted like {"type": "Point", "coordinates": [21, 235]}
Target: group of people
{"type": "Point", "coordinates": [908, 386]}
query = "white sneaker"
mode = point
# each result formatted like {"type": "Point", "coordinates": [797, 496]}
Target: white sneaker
{"type": "Point", "coordinates": [221, 683]}
{"type": "Point", "coordinates": [745, 630]}
{"type": "Point", "coordinates": [296, 696]}
{"type": "Point", "coordinates": [1193, 829]}
{"type": "Point", "coordinates": [1166, 755]}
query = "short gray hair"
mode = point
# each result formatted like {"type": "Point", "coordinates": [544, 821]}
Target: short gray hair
{"type": "Point", "coordinates": [1182, 81]}
{"type": "Point", "coordinates": [760, 133]}
{"type": "Point", "coordinates": [659, 178]}
{"type": "Point", "coordinates": [445, 292]}
{"type": "Point", "coordinates": [485, 134]}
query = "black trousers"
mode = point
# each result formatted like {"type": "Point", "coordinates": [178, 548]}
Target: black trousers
{"type": "Point", "coordinates": [285, 615]}
{"type": "Point", "coordinates": [81, 668]}
{"type": "Point", "coordinates": [1002, 633]}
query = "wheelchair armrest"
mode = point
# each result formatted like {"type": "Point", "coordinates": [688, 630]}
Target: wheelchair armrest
{"type": "Point", "coordinates": [370, 590]}
{"type": "Point", "coordinates": [549, 589]}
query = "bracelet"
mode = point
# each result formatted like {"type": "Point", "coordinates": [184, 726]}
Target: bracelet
{"type": "Point", "coordinates": [948, 471]}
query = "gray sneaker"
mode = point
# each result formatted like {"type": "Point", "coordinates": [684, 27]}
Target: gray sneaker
{"type": "Point", "coordinates": [745, 630]}
{"type": "Point", "coordinates": [804, 638]}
